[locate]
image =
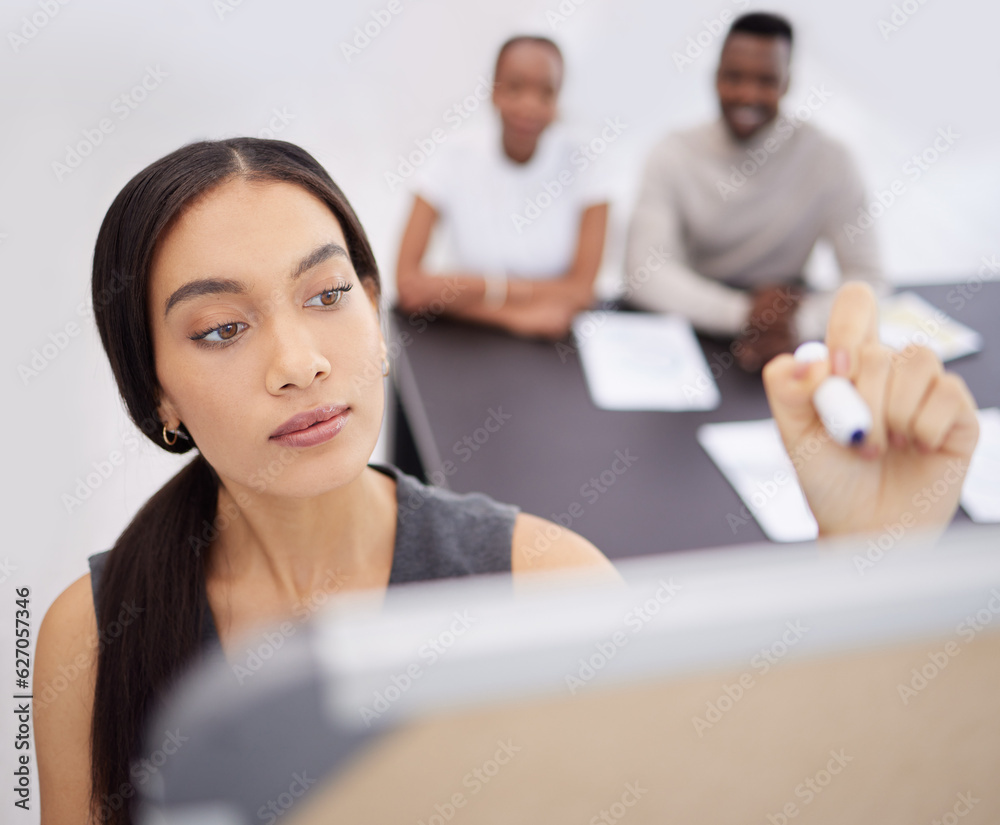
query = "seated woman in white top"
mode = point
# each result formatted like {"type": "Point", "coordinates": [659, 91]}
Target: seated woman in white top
{"type": "Point", "coordinates": [520, 204]}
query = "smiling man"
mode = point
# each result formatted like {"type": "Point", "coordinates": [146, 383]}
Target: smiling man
{"type": "Point", "coordinates": [729, 212]}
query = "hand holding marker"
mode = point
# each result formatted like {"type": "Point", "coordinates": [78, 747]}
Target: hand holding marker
{"type": "Point", "coordinates": [923, 425]}
{"type": "Point", "coordinates": [839, 405]}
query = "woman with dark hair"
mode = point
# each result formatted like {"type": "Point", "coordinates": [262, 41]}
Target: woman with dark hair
{"type": "Point", "coordinates": [242, 321]}
{"type": "Point", "coordinates": [238, 308]}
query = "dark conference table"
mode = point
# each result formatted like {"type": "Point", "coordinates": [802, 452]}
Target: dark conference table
{"type": "Point", "coordinates": [513, 418]}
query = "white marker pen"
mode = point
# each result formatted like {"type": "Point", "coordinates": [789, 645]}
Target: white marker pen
{"type": "Point", "coordinates": [840, 406]}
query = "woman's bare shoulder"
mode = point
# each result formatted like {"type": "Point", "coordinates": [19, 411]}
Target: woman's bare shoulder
{"type": "Point", "coordinates": [539, 545]}
{"type": "Point", "coordinates": [70, 624]}
{"type": "Point", "coordinates": [65, 670]}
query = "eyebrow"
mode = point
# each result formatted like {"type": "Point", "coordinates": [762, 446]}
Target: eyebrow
{"type": "Point", "coordinates": [229, 286]}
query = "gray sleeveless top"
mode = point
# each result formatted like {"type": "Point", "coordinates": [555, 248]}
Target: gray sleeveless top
{"type": "Point", "coordinates": [439, 534]}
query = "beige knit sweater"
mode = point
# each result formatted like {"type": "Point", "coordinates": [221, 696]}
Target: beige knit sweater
{"type": "Point", "coordinates": [716, 217]}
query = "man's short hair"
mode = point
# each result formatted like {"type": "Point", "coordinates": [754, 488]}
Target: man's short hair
{"type": "Point", "coordinates": [762, 25]}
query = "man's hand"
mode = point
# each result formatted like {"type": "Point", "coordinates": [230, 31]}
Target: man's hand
{"type": "Point", "coordinates": [769, 331]}
{"type": "Point", "coordinates": [912, 465]}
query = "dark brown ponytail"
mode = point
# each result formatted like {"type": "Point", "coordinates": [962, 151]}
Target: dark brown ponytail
{"type": "Point", "coordinates": [153, 582]}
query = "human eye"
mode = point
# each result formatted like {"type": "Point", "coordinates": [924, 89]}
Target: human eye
{"type": "Point", "coordinates": [329, 298]}
{"type": "Point", "coordinates": [219, 336]}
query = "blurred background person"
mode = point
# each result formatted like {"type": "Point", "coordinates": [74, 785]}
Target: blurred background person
{"type": "Point", "coordinates": [734, 207]}
{"type": "Point", "coordinates": [521, 204]}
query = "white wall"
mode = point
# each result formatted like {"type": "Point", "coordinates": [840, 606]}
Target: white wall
{"type": "Point", "coordinates": [226, 73]}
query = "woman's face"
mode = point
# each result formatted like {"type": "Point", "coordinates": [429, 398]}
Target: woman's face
{"type": "Point", "coordinates": [257, 317]}
{"type": "Point", "coordinates": [527, 89]}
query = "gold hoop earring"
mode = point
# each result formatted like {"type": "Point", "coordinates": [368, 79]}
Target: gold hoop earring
{"type": "Point", "coordinates": [385, 367]}
{"type": "Point", "coordinates": [166, 440]}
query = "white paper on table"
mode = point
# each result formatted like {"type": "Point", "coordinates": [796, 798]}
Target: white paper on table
{"type": "Point", "coordinates": [753, 460]}
{"type": "Point", "coordinates": [906, 315]}
{"type": "Point", "coordinates": [981, 489]}
{"type": "Point", "coordinates": [643, 361]}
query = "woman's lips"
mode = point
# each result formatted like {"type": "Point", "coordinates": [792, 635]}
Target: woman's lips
{"type": "Point", "coordinates": [312, 428]}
